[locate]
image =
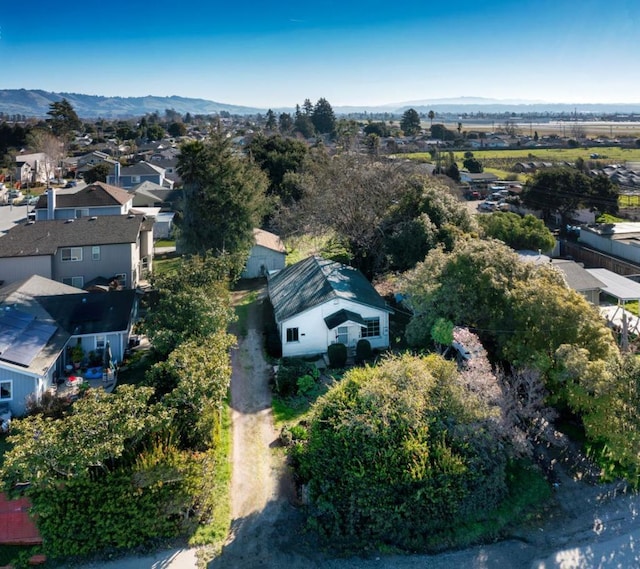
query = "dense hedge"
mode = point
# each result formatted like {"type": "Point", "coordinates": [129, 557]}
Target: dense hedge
{"type": "Point", "coordinates": [401, 454]}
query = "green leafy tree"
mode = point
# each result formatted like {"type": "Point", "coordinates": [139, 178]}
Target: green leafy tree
{"type": "Point", "coordinates": [379, 128]}
{"type": "Point", "coordinates": [100, 428]}
{"type": "Point", "coordinates": [322, 117]}
{"type": "Point", "coordinates": [224, 197]}
{"type": "Point", "coordinates": [524, 313]}
{"type": "Point", "coordinates": [155, 132]}
{"type": "Point", "coordinates": [277, 156]}
{"type": "Point", "coordinates": [202, 368]}
{"type": "Point", "coordinates": [97, 173]}
{"type": "Point", "coordinates": [603, 196]}
{"type": "Point", "coordinates": [387, 436]}
{"type": "Point", "coordinates": [304, 125]}
{"type": "Point", "coordinates": [410, 122]}
{"type": "Point", "coordinates": [440, 132]}
{"type": "Point", "coordinates": [431, 116]}
{"type": "Point", "coordinates": [473, 165]}
{"type": "Point", "coordinates": [177, 129]}
{"type": "Point", "coordinates": [518, 232]}
{"type": "Point", "coordinates": [557, 190]}
{"type": "Point", "coordinates": [64, 119]}
{"type": "Point", "coordinates": [191, 303]}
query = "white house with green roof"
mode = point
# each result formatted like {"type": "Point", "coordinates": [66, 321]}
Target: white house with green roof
{"type": "Point", "coordinates": [318, 302]}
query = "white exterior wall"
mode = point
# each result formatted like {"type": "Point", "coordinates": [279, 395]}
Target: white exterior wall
{"type": "Point", "coordinates": [313, 335]}
{"type": "Point", "coordinates": [627, 251]}
{"type": "Point", "coordinates": [261, 256]}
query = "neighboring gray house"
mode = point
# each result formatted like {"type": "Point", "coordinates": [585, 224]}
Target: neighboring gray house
{"type": "Point", "coordinates": [317, 303]}
{"type": "Point", "coordinates": [88, 161]}
{"type": "Point", "coordinates": [42, 319]}
{"type": "Point", "coordinates": [129, 176]}
{"type": "Point", "coordinates": [149, 194]}
{"type": "Point", "coordinates": [267, 255]}
{"type": "Point", "coordinates": [576, 276]}
{"type": "Point", "coordinates": [95, 200]}
{"type": "Point", "coordinates": [114, 247]}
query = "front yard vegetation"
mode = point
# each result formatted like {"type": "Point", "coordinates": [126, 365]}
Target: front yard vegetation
{"type": "Point", "coordinates": [149, 461]}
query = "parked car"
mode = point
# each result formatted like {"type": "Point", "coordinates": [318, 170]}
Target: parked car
{"type": "Point", "coordinates": [32, 200]}
{"type": "Point", "coordinates": [71, 184]}
{"type": "Point", "coordinates": [488, 205]}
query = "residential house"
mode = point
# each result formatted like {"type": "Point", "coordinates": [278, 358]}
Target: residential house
{"type": "Point", "coordinates": [267, 255]}
{"type": "Point", "coordinates": [576, 276]}
{"type": "Point", "coordinates": [35, 168]}
{"type": "Point", "coordinates": [41, 320]}
{"type": "Point", "coordinates": [76, 251]}
{"type": "Point", "coordinates": [149, 194]}
{"type": "Point", "coordinates": [92, 159]}
{"type": "Point", "coordinates": [318, 302]}
{"type": "Point", "coordinates": [129, 176]}
{"type": "Point", "coordinates": [481, 179]}
{"type": "Point", "coordinates": [94, 200]}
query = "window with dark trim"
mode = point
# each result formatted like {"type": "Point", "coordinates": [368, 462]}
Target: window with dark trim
{"type": "Point", "coordinates": [71, 254]}
{"type": "Point", "coordinates": [292, 335]}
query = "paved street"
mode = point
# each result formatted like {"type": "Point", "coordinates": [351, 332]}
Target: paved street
{"type": "Point", "coordinates": [10, 215]}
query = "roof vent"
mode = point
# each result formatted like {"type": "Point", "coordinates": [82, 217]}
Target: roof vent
{"type": "Point", "coordinates": [30, 222]}
{"type": "Point", "coordinates": [130, 216]}
{"type": "Point", "coordinates": [93, 218]}
{"type": "Point", "coordinates": [69, 220]}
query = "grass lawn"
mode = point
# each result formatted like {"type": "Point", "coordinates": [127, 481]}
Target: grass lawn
{"type": "Point", "coordinates": [165, 243]}
{"type": "Point", "coordinates": [242, 307]}
{"type": "Point", "coordinates": [614, 153]}
{"type": "Point", "coordinates": [166, 264]}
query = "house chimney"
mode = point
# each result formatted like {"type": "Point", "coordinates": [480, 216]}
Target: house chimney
{"type": "Point", "coordinates": [116, 174]}
{"type": "Point", "coordinates": [51, 203]}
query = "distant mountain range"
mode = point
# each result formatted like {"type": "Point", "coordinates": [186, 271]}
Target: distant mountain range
{"type": "Point", "coordinates": [35, 103]}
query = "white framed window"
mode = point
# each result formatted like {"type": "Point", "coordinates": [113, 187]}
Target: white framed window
{"type": "Point", "coordinates": [292, 335]}
{"type": "Point", "coordinates": [77, 282]}
{"type": "Point", "coordinates": [82, 213]}
{"type": "Point", "coordinates": [6, 390]}
{"type": "Point", "coordinates": [342, 336]}
{"type": "Point", "coordinates": [122, 279]}
{"type": "Point", "coordinates": [372, 329]}
{"type": "Point", "coordinates": [135, 179]}
{"type": "Point", "coordinates": [100, 343]}
{"type": "Point", "coordinates": [71, 254]}
{"type": "Point", "coordinates": [95, 252]}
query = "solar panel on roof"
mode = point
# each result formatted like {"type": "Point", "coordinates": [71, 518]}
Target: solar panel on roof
{"type": "Point", "coordinates": [29, 343]}
{"type": "Point", "coordinates": [12, 323]}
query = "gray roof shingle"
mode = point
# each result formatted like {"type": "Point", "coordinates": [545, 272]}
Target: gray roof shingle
{"type": "Point", "coordinates": [46, 237]}
{"type": "Point", "coordinates": [96, 195]}
{"type": "Point", "coordinates": [314, 281]}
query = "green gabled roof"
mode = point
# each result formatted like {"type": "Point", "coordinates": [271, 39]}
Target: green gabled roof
{"type": "Point", "coordinates": [314, 281]}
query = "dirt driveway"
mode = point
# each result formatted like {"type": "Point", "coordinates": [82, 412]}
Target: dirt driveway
{"type": "Point", "coordinates": [268, 530]}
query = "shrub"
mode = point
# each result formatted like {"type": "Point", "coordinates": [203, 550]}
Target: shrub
{"type": "Point", "coordinates": [305, 384]}
{"type": "Point", "coordinates": [363, 351]}
{"type": "Point", "coordinates": [337, 355]}
{"type": "Point", "coordinates": [289, 372]}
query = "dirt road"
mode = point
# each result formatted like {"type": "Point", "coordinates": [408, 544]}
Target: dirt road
{"type": "Point", "coordinates": [590, 522]}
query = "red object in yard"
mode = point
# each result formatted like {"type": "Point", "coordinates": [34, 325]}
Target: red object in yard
{"type": "Point", "coordinates": [16, 526]}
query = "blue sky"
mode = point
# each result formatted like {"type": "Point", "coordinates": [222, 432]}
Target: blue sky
{"type": "Point", "coordinates": [350, 52]}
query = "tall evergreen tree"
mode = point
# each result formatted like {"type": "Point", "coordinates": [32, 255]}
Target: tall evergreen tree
{"type": "Point", "coordinates": [64, 119]}
{"type": "Point", "coordinates": [224, 198]}
{"type": "Point", "coordinates": [323, 118]}
{"type": "Point", "coordinates": [410, 122]}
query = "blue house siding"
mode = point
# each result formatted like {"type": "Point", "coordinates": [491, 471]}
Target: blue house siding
{"type": "Point", "coordinates": [22, 386]}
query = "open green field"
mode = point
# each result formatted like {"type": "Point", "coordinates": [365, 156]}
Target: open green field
{"type": "Point", "coordinates": [609, 154]}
